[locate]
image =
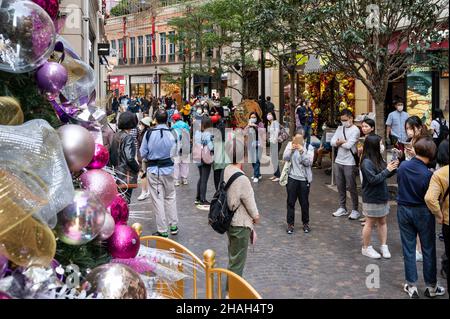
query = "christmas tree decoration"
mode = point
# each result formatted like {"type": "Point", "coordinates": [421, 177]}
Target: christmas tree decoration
{"type": "Point", "coordinates": [50, 6]}
{"type": "Point", "coordinates": [115, 281]}
{"type": "Point", "coordinates": [27, 36]}
{"type": "Point", "coordinates": [78, 145]}
{"type": "Point", "coordinates": [108, 227]}
{"type": "Point", "coordinates": [101, 184]}
{"type": "Point", "coordinates": [101, 157]}
{"type": "Point", "coordinates": [124, 243]}
{"type": "Point", "coordinates": [119, 210]}
{"type": "Point", "coordinates": [137, 228]}
{"type": "Point", "coordinates": [81, 221]}
{"type": "Point", "coordinates": [51, 78]}
{"type": "Point", "coordinates": [10, 111]}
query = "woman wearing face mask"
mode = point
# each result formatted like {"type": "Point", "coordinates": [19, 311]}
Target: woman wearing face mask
{"type": "Point", "coordinates": [144, 126]}
{"type": "Point", "coordinates": [414, 130]}
{"type": "Point", "coordinates": [275, 146]}
{"type": "Point", "coordinates": [254, 131]}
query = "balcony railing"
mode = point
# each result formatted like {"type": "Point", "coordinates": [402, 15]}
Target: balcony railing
{"type": "Point", "coordinates": [132, 60]}
{"type": "Point", "coordinates": [121, 62]}
{"type": "Point", "coordinates": [171, 57]}
{"type": "Point", "coordinates": [140, 60]}
{"type": "Point", "coordinates": [162, 58]}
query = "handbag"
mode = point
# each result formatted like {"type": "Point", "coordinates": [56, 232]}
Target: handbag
{"type": "Point", "coordinates": [126, 175]}
{"type": "Point", "coordinates": [285, 173]}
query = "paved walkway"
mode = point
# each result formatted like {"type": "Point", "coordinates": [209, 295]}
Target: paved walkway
{"type": "Point", "coordinates": [326, 263]}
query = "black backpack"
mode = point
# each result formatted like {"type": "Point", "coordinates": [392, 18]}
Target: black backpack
{"type": "Point", "coordinates": [443, 130]}
{"type": "Point", "coordinates": [220, 215]}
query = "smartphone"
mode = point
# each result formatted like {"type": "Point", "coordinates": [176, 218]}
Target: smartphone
{"type": "Point", "coordinates": [394, 156]}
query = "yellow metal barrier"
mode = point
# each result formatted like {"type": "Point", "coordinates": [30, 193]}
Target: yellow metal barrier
{"type": "Point", "coordinates": [238, 288]}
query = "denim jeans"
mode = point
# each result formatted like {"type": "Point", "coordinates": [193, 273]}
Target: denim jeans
{"type": "Point", "coordinates": [256, 169]}
{"type": "Point", "coordinates": [414, 221]}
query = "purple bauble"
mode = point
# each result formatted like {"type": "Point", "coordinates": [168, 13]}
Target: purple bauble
{"type": "Point", "coordinates": [51, 78]}
{"type": "Point", "coordinates": [100, 183]}
{"type": "Point", "coordinates": [101, 157]}
{"type": "Point", "coordinates": [50, 6]}
{"type": "Point", "coordinates": [119, 210]}
{"type": "Point", "coordinates": [124, 243]}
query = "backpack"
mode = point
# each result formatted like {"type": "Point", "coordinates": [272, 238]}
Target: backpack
{"type": "Point", "coordinates": [220, 215]}
{"type": "Point", "coordinates": [443, 130]}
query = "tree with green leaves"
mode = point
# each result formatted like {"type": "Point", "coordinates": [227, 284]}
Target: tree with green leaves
{"type": "Point", "coordinates": [277, 29]}
{"type": "Point", "coordinates": [375, 41]}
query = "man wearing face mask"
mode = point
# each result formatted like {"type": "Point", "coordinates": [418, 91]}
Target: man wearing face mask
{"type": "Point", "coordinates": [346, 164]}
{"type": "Point", "coordinates": [396, 124]}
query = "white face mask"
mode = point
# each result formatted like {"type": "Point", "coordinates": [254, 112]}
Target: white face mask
{"type": "Point", "coordinates": [253, 121]}
{"type": "Point", "coordinates": [269, 117]}
{"type": "Point", "coordinates": [346, 124]}
{"type": "Point", "coordinates": [199, 111]}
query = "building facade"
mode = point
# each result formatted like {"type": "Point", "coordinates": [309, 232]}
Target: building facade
{"type": "Point", "coordinates": [84, 30]}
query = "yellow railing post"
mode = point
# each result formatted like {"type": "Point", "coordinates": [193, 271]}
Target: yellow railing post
{"type": "Point", "coordinates": [209, 257]}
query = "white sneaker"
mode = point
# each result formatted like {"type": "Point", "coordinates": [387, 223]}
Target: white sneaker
{"type": "Point", "coordinates": [419, 256]}
{"type": "Point", "coordinates": [385, 251]}
{"type": "Point", "coordinates": [276, 179]}
{"type": "Point", "coordinates": [255, 180]}
{"type": "Point", "coordinates": [411, 291]}
{"type": "Point", "coordinates": [272, 178]}
{"type": "Point", "coordinates": [340, 212]}
{"type": "Point", "coordinates": [354, 215]}
{"type": "Point", "coordinates": [185, 181]}
{"type": "Point", "coordinates": [370, 252]}
{"type": "Point", "coordinates": [260, 177]}
{"type": "Point", "coordinates": [177, 183]}
{"type": "Point", "coordinates": [143, 196]}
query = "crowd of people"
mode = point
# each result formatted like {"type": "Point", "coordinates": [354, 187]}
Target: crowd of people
{"type": "Point", "coordinates": [159, 154]}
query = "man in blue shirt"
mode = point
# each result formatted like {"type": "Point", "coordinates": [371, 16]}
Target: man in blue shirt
{"type": "Point", "coordinates": [396, 124]}
{"type": "Point", "coordinates": [414, 218]}
{"type": "Point", "coordinates": [159, 147]}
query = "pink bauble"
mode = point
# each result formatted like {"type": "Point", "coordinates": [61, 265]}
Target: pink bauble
{"type": "Point", "coordinates": [101, 184]}
{"type": "Point", "coordinates": [50, 6]}
{"type": "Point", "coordinates": [124, 243]}
{"type": "Point", "coordinates": [119, 210]}
{"type": "Point", "coordinates": [108, 228]}
{"type": "Point", "coordinates": [4, 296]}
{"type": "Point", "coordinates": [101, 157]}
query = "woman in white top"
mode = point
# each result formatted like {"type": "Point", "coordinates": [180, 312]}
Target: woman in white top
{"type": "Point", "coordinates": [275, 146]}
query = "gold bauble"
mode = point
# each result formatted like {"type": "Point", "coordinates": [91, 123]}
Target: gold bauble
{"type": "Point", "coordinates": [10, 111]}
{"type": "Point", "coordinates": [350, 96]}
{"type": "Point", "coordinates": [344, 82]}
{"type": "Point", "coordinates": [137, 228]}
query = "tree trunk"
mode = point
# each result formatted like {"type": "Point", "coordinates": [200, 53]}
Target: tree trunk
{"type": "Point", "coordinates": [379, 117]}
{"type": "Point", "coordinates": [243, 72]}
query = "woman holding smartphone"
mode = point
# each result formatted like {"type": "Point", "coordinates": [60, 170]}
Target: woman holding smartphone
{"type": "Point", "coordinates": [375, 195]}
{"type": "Point", "coordinates": [301, 156]}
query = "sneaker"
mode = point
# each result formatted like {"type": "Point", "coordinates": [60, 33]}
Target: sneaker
{"type": "Point", "coordinates": [441, 236]}
{"type": "Point", "coordinates": [204, 205]}
{"type": "Point", "coordinates": [340, 212]}
{"type": "Point", "coordinates": [164, 234]}
{"type": "Point", "coordinates": [143, 196]}
{"type": "Point", "coordinates": [177, 183]}
{"type": "Point", "coordinates": [385, 251]}
{"type": "Point", "coordinates": [306, 228]}
{"type": "Point", "coordinates": [290, 229]}
{"type": "Point", "coordinates": [354, 215]}
{"type": "Point", "coordinates": [272, 178]}
{"type": "Point", "coordinates": [174, 230]}
{"type": "Point", "coordinates": [419, 257]}
{"type": "Point", "coordinates": [260, 177]}
{"type": "Point", "coordinates": [411, 291]}
{"type": "Point", "coordinates": [276, 179]}
{"type": "Point", "coordinates": [185, 181]}
{"type": "Point", "coordinates": [362, 219]}
{"type": "Point", "coordinates": [432, 292]}
{"type": "Point", "coordinates": [197, 202]}
{"type": "Point", "coordinates": [370, 252]}
{"type": "Point", "coordinates": [255, 180]}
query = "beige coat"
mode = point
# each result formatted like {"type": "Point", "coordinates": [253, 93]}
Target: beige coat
{"type": "Point", "coordinates": [436, 190]}
{"type": "Point", "coordinates": [240, 194]}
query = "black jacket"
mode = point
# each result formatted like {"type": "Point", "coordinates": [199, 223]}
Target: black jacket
{"type": "Point", "coordinates": [374, 183]}
{"type": "Point", "coordinates": [123, 153]}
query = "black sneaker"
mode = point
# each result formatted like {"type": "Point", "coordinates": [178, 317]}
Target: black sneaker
{"type": "Point", "coordinates": [290, 229]}
{"type": "Point", "coordinates": [441, 236]}
{"type": "Point", "coordinates": [432, 292]}
{"type": "Point", "coordinates": [174, 230]}
{"type": "Point", "coordinates": [197, 202]}
{"type": "Point", "coordinates": [164, 234]}
{"type": "Point", "coordinates": [411, 291]}
{"type": "Point", "coordinates": [306, 228]}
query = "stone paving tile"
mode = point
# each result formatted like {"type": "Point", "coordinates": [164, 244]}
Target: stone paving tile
{"type": "Point", "coordinates": [326, 263]}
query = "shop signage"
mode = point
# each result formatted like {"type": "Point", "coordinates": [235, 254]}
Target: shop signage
{"type": "Point", "coordinates": [419, 94]}
{"type": "Point", "coordinates": [103, 49]}
{"type": "Point", "coordinates": [141, 79]}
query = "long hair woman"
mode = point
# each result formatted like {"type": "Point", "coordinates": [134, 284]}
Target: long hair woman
{"type": "Point", "coordinates": [203, 139]}
{"type": "Point", "coordinates": [253, 131]}
{"type": "Point", "coordinates": [375, 195]}
{"type": "Point", "coordinates": [275, 146]}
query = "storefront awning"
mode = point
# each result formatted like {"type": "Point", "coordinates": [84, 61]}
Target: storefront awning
{"type": "Point", "coordinates": [395, 48]}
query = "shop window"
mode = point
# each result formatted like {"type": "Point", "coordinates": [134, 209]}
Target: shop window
{"type": "Point", "coordinates": [163, 47]}
{"type": "Point", "coordinates": [132, 50]}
